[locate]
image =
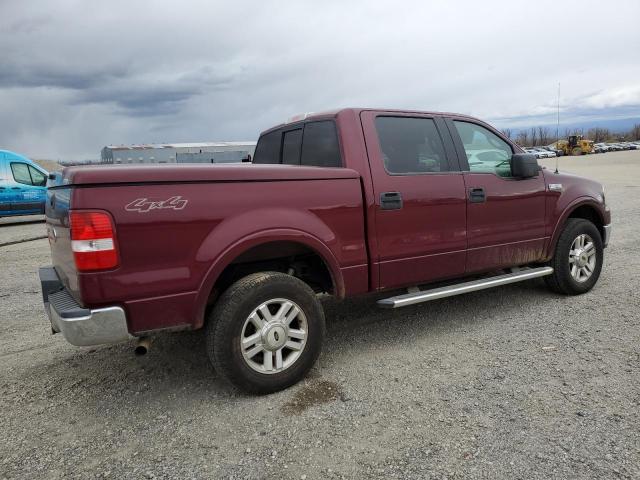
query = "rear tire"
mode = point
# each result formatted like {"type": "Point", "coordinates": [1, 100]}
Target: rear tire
{"type": "Point", "coordinates": [265, 332]}
{"type": "Point", "coordinates": [578, 257]}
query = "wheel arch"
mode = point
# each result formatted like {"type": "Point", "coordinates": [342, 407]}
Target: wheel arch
{"type": "Point", "coordinates": [586, 208]}
{"type": "Point", "coordinates": [249, 244]}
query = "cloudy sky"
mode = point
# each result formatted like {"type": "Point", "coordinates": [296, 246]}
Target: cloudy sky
{"type": "Point", "coordinates": [77, 75]}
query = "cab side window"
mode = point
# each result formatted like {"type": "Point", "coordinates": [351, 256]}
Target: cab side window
{"type": "Point", "coordinates": [21, 174]}
{"type": "Point", "coordinates": [268, 148]}
{"type": "Point", "coordinates": [320, 147]}
{"type": "Point", "coordinates": [27, 175]}
{"type": "Point", "coordinates": [411, 145]}
{"type": "Point", "coordinates": [486, 152]}
{"type": "Point", "coordinates": [37, 177]}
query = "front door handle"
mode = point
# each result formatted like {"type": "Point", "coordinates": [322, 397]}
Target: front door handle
{"type": "Point", "coordinates": [390, 201]}
{"type": "Point", "coordinates": [16, 188]}
{"type": "Point", "coordinates": [476, 195]}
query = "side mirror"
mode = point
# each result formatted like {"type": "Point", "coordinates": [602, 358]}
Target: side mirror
{"type": "Point", "coordinates": [246, 159]}
{"type": "Point", "coordinates": [524, 165]}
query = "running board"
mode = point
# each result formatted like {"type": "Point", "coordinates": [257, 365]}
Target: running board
{"type": "Point", "coordinates": [466, 287]}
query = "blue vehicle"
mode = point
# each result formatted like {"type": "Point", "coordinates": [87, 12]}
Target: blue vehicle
{"type": "Point", "coordinates": [23, 185]}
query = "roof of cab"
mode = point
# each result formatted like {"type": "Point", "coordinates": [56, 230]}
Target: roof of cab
{"type": "Point", "coordinates": [314, 116]}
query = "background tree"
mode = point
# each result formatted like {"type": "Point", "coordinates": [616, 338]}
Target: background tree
{"type": "Point", "coordinates": [507, 132]}
{"type": "Point", "coordinates": [543, 136]}
{"type": "Point", "coordinates": [522, 138]}
{"type": "Point", "coordinates": [598, 134]}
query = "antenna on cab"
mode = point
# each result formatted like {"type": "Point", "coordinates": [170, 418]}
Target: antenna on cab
{"type": "Point", "coordinates": [558, 130]}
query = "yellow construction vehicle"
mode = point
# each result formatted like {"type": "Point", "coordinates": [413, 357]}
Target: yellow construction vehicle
{"type": "Point", "coordinates": [575, 145]}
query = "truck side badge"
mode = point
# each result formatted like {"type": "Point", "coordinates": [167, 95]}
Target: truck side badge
{"type": "Point", "coordinates": [144, 205]}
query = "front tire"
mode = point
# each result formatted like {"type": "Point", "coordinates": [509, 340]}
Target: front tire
{"type": "Point", "coordinates": [577, 261]}
{"type": "Point", "coordinates": [265, 332]}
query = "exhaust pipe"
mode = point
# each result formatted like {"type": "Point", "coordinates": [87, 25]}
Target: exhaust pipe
{"type": "Point", "coordinates": [142, 347]}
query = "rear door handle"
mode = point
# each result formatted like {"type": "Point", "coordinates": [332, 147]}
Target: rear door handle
{"type": "Point", "coordinates": [16, 188]}
{"type": "Point", "coordinates": [476, 195]}
{"type": "Point", "coordinates": [390, 201]}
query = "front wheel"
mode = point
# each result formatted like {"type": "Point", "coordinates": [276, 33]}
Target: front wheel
{"type": "Point", "coordinates": [265, 332]}
{"type": "Point", "coordinates": [578, 258]}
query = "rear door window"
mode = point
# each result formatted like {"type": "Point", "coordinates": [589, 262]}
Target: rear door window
{"type": "Point", "coordinates": [320, 146]}
{"type": "Point", "coordinates": [411, 145]}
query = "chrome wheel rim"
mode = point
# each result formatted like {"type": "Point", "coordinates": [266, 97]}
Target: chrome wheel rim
{"type": "Point", "coordinates": [582, 258]}
{"type": "Point", "coordinates": [274, 336]}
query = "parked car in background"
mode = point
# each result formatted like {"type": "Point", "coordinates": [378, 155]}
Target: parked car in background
{"type": "Point", "coordinates": [540, 152]}
{"type": "Point", "coordinates": [557, 151]}
{"type": "Point", "coordinates": [535, 152]}
{"type": "Point", "coordinates": [23, 183]}
{"type": "Point", "coordinates": [551, 152]}
{"type": "Point", "coordinates": [600, 148]}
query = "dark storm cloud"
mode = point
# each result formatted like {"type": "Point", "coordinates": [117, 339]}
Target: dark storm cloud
{"type": "Point", "coordinates": [19, 75]}
{"type": "Point", "coordinates": [76, 75]}
{"type": "Point", "coordinates": [150, 96]}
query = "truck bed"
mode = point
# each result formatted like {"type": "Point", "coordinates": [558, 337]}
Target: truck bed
{"type": "Point", "coordinates": [167, 250]}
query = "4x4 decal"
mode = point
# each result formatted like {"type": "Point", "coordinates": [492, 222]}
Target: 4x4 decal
{"type": "Point", "coordinates": [143, 205]}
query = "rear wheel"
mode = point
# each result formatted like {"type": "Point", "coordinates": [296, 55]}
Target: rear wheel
{"type": "Point", "coordinates": [265, 332]}
{"type": "Point", "coordinates": [578, 257]}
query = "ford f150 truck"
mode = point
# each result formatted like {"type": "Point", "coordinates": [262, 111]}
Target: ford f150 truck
{"type": "Point", "coordinates": [343, 203]}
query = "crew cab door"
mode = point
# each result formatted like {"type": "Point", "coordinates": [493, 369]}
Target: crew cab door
{"type": "Point", "coordinates": [505, 215]}
{"type": "Point", "coordinates": [420, 202]}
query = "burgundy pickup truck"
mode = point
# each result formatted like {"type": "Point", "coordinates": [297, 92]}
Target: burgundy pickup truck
{"type": "Point", "coordinates": [343, 203]}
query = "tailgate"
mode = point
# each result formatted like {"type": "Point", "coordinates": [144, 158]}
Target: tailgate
{"type": "Point", "coordinates": [57, 222]}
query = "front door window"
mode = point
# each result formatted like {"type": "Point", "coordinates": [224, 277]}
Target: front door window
{"type": "Point", "coordinates": [486, 152]}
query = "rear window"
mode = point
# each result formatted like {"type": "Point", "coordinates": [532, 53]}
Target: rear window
{"type": "Point", "coordinates": [314, 144]}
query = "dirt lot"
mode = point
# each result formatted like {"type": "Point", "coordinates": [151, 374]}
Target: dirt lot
{"type": "Point", "coordinates": [507, 383]}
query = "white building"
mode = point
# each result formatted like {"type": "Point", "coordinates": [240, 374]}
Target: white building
{"type": "Point", "coordinates": [206, 152]}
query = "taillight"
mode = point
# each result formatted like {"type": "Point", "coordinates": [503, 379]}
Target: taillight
{"type": "Point", "coordinates": [93, 240]}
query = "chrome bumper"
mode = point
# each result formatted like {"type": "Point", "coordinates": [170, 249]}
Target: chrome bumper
{"type": "Point", "coordinates": [607, 235]}
{"type": "Point", "coordinates": [80, 326]}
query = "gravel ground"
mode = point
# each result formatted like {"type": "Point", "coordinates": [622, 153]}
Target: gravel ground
{"type": "Point", "coordinates": [18, 229]}
{"type": "Point", "coordinates": [511, 383]}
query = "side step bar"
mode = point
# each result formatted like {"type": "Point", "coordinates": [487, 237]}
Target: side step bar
{"type": "Point", "coordinates": [466, 287]}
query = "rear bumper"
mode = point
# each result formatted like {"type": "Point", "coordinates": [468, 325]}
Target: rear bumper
{"type": "Point", "coordinates": [607, 235]}
{"type": "Point", "coordinates": [80, 326]}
